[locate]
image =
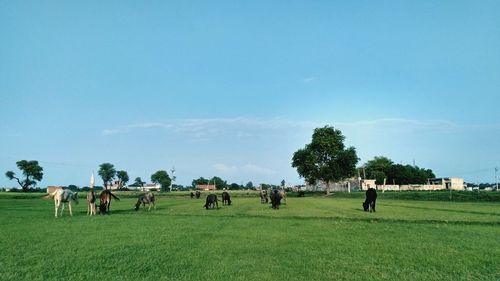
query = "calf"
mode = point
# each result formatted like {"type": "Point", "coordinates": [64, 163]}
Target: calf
{"type": "Point", "coordinates": [371, 198]}
{"type": "Point", "coordinates": [226, 199]}
{"type": "Point", "coordinates": [211, 201]}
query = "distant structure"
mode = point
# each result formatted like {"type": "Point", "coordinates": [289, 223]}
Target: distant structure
{"type": "Point", "coordinates": [146, 187]}
{"type": "Point", "coordinates": [363, 184]}
{"type": "Point", "coordinates": [448, 183]}
{"type": "Point", "coordinates": [206, 187]}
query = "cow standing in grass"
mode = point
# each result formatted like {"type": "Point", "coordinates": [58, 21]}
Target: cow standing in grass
{"type": "Point", "coordinates": [91, 203]}
{"type": "Point", "coordinates": [226, 198]}
{"type": "Point", "coordinates": [211, 201]}
{"type": "Point", "coordinates": [282, 193]}
{"type": "Point", "coordinates": [105, 201]}
{"type": "Point", "coordinates": [371, 198]}
{"type": "Point", "coordinates": [62, 196]}
{"type": "Point", "coordinates": [275, 199]}
{"type": "Point", "coordinates": [263, 196]}
{"type": "Point", "coordinates": [149, 199]}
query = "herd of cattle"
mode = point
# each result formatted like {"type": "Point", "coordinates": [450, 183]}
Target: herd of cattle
{"type": "Point", "coordinates": [62, 196]}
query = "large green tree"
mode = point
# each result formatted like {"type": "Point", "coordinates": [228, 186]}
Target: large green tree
{"type": "Point", "coordinates": [107, 172]}
{"type": "Point", "coordinates": [407, 174]}
{"type": "Point", "coordinates": [138, 182]}
{"type": "Point", "coordinates": [161, 177]}
{"type": "Point", "coordinates": [378, 168]}
{"type": "Point", "coordinates": [122, 178]}
{"type": "Point", "coordinates": [326, 158]}
{"type": "Point", "coordinates": [219, 183]}
{"type": "Point", "coordinates": [32, 172]}
{"type": "Point", "coordinates": [200, 180]}
{"type": "Point", "coordinates": [381, 168]}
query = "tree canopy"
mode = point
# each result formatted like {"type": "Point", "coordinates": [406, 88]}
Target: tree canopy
{"type": "Point", "coordinates": [326, 158]}
{"type": "Point", "coordinates": [219, 183]}
{"type": "Point", "coordinates": [138, 182]}
{"type": "Point", "coordinates": [249, 185]}
{"type": "Point", "coordinates": [200, 180]}
{"type": "Point", "coordinates": [161, 177]}
{"type": "Point", "coordinates": [381, 168]}
{"type": "Point", "coordinates": [122, 178]}
{"type": "Point", "coordinates": [32, 173]}
{"type": "Point", "coordinates": [107, 172]}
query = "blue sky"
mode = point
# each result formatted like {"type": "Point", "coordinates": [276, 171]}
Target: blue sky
{"type": "Point", "coordinates": [233, 88]}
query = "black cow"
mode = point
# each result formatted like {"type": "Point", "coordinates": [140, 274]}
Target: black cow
{"type": "Point", "coordinates": [371, 197]}
{"type": "Point", "coordinates": [198, 194]}
{"type": "Point", "coordinates": [301, 193]}
{"type": "Point", "coordinates": [226, 198]}
{"type": "Point", "coordinates": [275, 199]}
{"type": "Point", "coordinates": [211, 201]}
{"type": "Point", "coordinates": [192, 195]}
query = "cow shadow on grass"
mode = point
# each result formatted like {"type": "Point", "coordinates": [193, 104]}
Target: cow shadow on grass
{"type": "Point", "coordinates": [446, 210]}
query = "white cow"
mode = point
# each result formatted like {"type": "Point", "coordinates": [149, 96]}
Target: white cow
{"type": "Point", "coordinates": [62, 196]}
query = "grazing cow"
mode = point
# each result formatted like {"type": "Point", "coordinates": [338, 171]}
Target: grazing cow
{"type": "Point", "coordinates": [301, 193]}
{"type": "Point", "coordinates": [62, 196]}
{"type": "Point", "coordinates": [198, 194]}
{"type": "Point", "coordinates": [191, 195]}
{"type": "Point", "coordinates": [148, 198]}
{"type": "Point", "coordinates": [226, 198]}
{"type": "Point", "coordinates": [263, 196]}
{"type": "Point", "coordinates": [105, 201]}
{"type": "Point", "coordinates": [211, 201]}
{"type": "Point", "coordinates": [275, 199]}
{"type": "Point", "coordinates": [91, 203]}
{"type": "Point", "coordinates": [371, 197]}
{"type": "Point", "coordinates": [282, 193]}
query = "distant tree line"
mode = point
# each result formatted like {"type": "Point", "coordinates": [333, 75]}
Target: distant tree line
{"type": "Point", "coordinates": [381, 168]}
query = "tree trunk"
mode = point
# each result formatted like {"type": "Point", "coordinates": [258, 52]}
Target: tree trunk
{"type": "Point", "coordinates": [327, 188]}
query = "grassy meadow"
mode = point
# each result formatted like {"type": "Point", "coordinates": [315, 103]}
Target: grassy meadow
{"type": "Point", "coordinates": [311, 238]}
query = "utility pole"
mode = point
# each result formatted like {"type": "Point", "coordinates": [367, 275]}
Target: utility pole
{"type": "Point", "coordinates": [173, 177]}
{"type": "Point", "coordinates": [496, 178]}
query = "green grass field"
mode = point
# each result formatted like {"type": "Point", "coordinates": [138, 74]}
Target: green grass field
{"type": "Point", "coordinates": [312, 238]}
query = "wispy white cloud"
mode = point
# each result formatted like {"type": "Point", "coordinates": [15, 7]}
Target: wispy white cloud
{"type": "Point", "coordinates": [244, 127]}
{"type": "Point", "coordinates": [246, 169]}
{"type": "Point", "coordinates": [205, 128]}
{"type": "Point", "coordinates": [225, 169]}
{"type": "Point", "coordinates": [309, 79]}
{"type": "Point", "coordinates": [256, 169]}
{"type": "Point", "coordinates": [132, 127]}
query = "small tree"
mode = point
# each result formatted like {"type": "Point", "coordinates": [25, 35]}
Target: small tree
{"type": "Point", "coordinates": [249, 185]}
{"type": "Point", "coordinates": [31, 170]}
{"type": "Point", "coordinates": [122, 178]}
{"type": "Point", "coordinates": [219, 183]}
{"type": "Point", "coordinates": [139, 183]}
{"type": "Point", "coordinates": [325, 158]}
{"type": "Point", "coordinates": [107, 172]}
{"type": "Point", "coordinates": [200, 180]}
{"type": "Point", "coordinates": [161, 177]}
